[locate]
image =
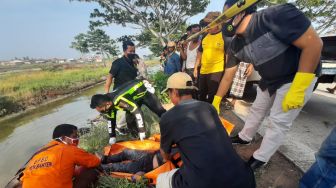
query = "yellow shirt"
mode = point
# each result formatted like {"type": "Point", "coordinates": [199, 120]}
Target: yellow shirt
{"type": "Point", "coordinates": [213, 55]}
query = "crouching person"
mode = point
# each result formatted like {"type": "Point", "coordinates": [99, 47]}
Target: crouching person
{"type": "Point", "coordinates": [54, 165]}
{"type": "Point", "coordinates": [208, 157]}
{"type": "Point", "coordinates": [129, 97]}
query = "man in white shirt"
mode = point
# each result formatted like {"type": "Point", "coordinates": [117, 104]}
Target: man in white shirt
{"type": "Point", "coordinates": [189, 53]}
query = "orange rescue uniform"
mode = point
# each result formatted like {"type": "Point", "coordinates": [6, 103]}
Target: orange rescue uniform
{"type": "Point", "coordinates": [54, 168]}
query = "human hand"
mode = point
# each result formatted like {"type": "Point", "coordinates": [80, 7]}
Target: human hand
{"type": "Point", "coordinates": [249, 70]}
{"type": "Point", "coordinates": [112, 140]}
{"type": "Point", "coordinates": [142, 136]}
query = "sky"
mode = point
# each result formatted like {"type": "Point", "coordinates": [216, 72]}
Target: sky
{"type": "Point", "coordinates": [46, 28]}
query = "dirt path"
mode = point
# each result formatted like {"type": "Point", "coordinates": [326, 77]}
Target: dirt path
{"type": "Point", "coordinates": [279, 172]}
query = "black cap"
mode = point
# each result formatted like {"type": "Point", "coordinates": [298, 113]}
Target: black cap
{"type": "Point", "coordinates": [249, 10]}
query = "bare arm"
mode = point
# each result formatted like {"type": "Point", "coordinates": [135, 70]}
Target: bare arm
{"type": "Point", "coordinates": [311, 45]}
{"type": "Point", "coordinates": [198, 62]}
{"type": "Point", "coordinates": [183, 53]}
{"type": "Point", "coordinates": [226, 81]}
{"type": "Point", "coordinates": [108, 83]}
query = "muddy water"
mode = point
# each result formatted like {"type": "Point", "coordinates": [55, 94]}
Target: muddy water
{"type": "Point", "coordinates": [20, 137]}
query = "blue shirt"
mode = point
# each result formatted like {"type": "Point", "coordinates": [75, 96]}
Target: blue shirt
{"type": "Point", "coordinates": [173, 64]}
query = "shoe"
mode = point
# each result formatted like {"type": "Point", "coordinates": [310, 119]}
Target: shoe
{"type": "Point", "coordinates": [237, 140]}
{"type": "Point", "coordinates": [255, 163]}
{"type": "Point", "coordinates": [330, 90]}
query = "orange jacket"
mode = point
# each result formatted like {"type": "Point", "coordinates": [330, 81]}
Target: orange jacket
{"type": "Point", "coordinates": [54, 168]}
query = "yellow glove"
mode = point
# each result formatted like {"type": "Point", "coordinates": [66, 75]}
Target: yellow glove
{"type": "Point", "coordinates": [294, 98]}
{"type": "Point", "coordinates": [216, 102]}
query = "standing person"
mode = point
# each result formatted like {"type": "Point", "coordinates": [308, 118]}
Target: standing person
{"type": "Point", "coordinates": [211, 58]}
{"type": "Point", "coordinates": [128, 97]}
{"type": "Point", "coordinates": [55, 166]}
{"type": "Point", "coordinates": [286, 52]}
{"type": "Point", "coordinates": [190, 52]}
{"type": "Point", "coordinates": [208, 157]}
{"type": "Point", "coordinates": [173, 60]}
{"type": "Point", "coordinates": [122, 69]}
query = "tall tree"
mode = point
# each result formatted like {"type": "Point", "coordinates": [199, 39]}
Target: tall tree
{"type": "Point", "coordinates": [322, 13]}
{"type": "Point", "coordinates": [80, 43]}
{"type": "Point", "coordinates": [162, 18]}
{"type": "Point", "coordinates": [96, 41]}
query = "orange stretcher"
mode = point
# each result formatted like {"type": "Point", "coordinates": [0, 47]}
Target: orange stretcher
{"type": "Point", "coordinates": [150, 144]}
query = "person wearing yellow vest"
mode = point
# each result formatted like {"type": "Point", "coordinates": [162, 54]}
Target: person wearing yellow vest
{"type": "Point", "coordinates": [54, 167]}
{"type": "Point", "coordinates": [211, 58]}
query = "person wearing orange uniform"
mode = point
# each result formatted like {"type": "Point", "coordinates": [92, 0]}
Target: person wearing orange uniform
{"type": "Point", "coordinates": [55, 166]}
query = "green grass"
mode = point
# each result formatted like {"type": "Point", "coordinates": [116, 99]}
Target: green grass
{"type": "Point", "coordinates": [96, 139]}
{"type": "Point", "coordinates": [108, 182]}
{"type": "Point", "coordinates": [160, 82]}
{"type": "Point", "coordinates": [18, 90]}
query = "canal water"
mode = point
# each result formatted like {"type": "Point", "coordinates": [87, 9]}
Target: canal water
{"type": "Point", "coordinates": [21, 136]}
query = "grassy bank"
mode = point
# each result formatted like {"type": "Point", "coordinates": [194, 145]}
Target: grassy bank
{"type": "Point", "coordinates": [19, 90]}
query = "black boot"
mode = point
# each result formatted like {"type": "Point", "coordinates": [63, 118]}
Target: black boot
{"type": "Point", "coordinates": [237, 140]}
{"type": "Point", "coordinates": [255, 163]}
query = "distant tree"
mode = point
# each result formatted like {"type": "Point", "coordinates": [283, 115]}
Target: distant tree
{"type": "Point", "coordinates": [322, 13]}
{"type": "Point", "coordinates": [81, 43]}
{"type": "Point", "coordinates": [159, 18]}
{"type": "Point", "coordinates": [101, 43]}
{"type": "Point", "coordinates": [96, 41]}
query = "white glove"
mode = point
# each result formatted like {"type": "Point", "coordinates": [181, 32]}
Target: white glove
{"type": "Point", "coordinates": [112, 140]}
{"type": "Point", "coordinates": [142, 136]}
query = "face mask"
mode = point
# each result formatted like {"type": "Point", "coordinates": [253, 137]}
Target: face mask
{"type": "Point", "coordinates": [106, 110]}
{"type": "Point", "coordinates": [133, 57]}
{"type": "Point", "coordinates": [228, 29]}
{"type": "Point", "coordinates": [74, 141]}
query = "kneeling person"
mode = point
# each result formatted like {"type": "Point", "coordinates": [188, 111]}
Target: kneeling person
{"type": "Point", "coordinates": [129, 97]}
{"type": "Point", "coordinates": [208, 157]}
{"type": "Point", "coordinates": [54, 165]}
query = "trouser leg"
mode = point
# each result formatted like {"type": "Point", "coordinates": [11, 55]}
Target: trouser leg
{"type": "Point", "coordinates": [144, 164]}
{"type": "Point", "coordinates": [213, 84]}
{"type": "Point", "coordinates": [111, 124]}
{"type": "Point", "coordinates": [131, 124]}
{"type": "Point", "coordinates": [127, 154]}
{"type": "Point", "coordinates": [280, 123]}
{"type": "Point", "coordinates": [203, 87]}
{"type": "Point", "coordinates": [190, 72]}
{"type": "Point", "coordinates": [153, 103]}
{"type": "Point", "coordinates": [259, 109]}
{"type": "Point", "coordinates": [323, 172]}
